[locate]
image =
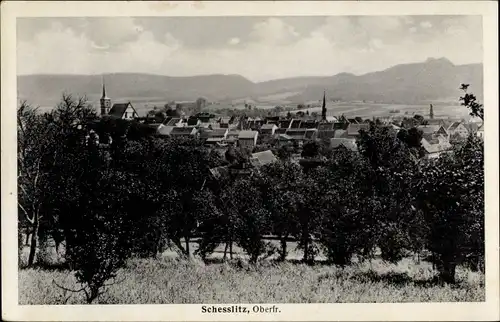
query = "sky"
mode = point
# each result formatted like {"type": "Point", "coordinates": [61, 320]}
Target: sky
{"type": "Point", "coordinates": [258, 48]}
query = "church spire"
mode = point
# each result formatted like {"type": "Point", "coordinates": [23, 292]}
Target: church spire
{"type": "Point", "coordinates": [323, 108]}
{"type": "Point", "coordinates": [105, 100]}
{"type": "Point", "coordinates": [103, 88]}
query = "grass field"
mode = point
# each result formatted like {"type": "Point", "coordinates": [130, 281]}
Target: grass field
{"type": "Point", "coordinates": [168, 279]}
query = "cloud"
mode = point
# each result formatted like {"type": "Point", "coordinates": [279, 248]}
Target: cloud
{"type": "Point", "coordinates": [273, 31]}
{"type": "Point", "coordinates": [234, 41]}
{"type": "Point", "coordinates": [271, 48]}
{"type": "Point", "coordinates": [426, 24]}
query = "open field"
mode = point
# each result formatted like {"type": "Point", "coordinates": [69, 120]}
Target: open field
{"type": "Point", "coordinates": [168, 279]}
{"type": "Point", "coordinates": [369, 110]}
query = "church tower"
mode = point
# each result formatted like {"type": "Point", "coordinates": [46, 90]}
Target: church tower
{"type": "Point", "coordinates": [105, 101]}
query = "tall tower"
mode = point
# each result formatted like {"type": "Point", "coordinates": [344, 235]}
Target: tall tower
{"type": "Point", "coordinates": [105, 101]}
{"type": "Point", "coordinates": [431, 112]}
{"type": "Point", "coordinates": [323, 108]}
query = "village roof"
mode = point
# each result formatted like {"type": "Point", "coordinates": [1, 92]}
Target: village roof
{"type": "Point", "coordinates": [428, 129]}
{"type": "Point", "coordinates": [262, 158]}
{"type": "Point", "coordinates": [247, 135]}
{"type": "Point", "coordinates": [268, 126]}
{"type": "Point", "coordinates": [233, 132]}
{"type": "Point", "coordinates": [280, 131]}
{"type": "Point", "coordinates": [296, 133]}
{"type": "Point", "coordinates": [454, 125]}
{"type": "Point", "coordinates": [173, 121]}
{"type": "Point", "coordinates": [309, 124]}
{"type": "Point", "coordinates": [285, 137]}
{"type": "Point", "coordinates": [295, 124]}
{"type": "Point", "coordinates": [218, 132]}
{"type": "Point", "coordinates": [284, 124]}
{"type": "Point", "coordinates": [340, 125]}
{"type": "Point", "coordinates": [183, 130]}
{"type": "Point", "coordinates": [352, 121]}
{"type": "Point", "coordinates": [310, 133]}
{"type": "Point", "coordinates": [481, 127]}
{"type": "Point", "coordinates": [353, 129]}
{"type": "Point", "coordinates": [225, 119]}
{"type": "Point", "coordinates": [340, 134]}
{"type": "Point", "coordinates": [472, 127]}
{"type": "Point", "coordinates": [325, 127]}
{"type": "Point", "coordinates": [119, 109]}
{"type": "Point", "coordinates": [435, 146]}
{"type": "Point", "coordinates": [214, 139]}
{"type": "Point", "coordinates": [347, 143]}
{"type": "Point", "coordinates": [193, 121]}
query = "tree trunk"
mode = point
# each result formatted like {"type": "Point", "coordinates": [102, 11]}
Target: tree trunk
{"type": "Point", "coordinates": [225, 251]}
{"type": "Point", "coordinates": [20, 239]}
{"type": "Point", "coordinates": [306, 249]}
{"type": "Point", "coordinates": [188, 250]}
{"type": "Point", "coordinates": [283, 249]}
{"type": "Point", "coordinates": [447, 270]}
{"type": "Point", "coordinates": [231, 247]}
{"type": "Point", "coordinates": [34, 237]}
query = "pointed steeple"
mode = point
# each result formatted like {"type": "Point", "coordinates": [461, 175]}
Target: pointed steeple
{"type": "Point", "coordinates": [323, 108]}
{"type": "Point", "coordinates": [105, 100]}
{"type": "Point", "coordinates": [103, 88]}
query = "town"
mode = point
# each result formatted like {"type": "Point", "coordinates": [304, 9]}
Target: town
{"type": "Point", "coordinates": [253, 134]}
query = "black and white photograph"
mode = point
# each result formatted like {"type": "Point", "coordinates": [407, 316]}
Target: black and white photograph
{"type": "Point", "coordinates": [244, 162]}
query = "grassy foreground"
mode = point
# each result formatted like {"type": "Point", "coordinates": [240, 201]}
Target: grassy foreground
{"type": "Point", "coordinates": [171, 280]}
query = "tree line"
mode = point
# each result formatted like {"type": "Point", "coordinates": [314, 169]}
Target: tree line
{"type": "Point", "coordinates": [141, 194]}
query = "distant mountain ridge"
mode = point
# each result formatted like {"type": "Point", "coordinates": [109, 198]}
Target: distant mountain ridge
{"type": "Point", "coordinates": [434, 79]}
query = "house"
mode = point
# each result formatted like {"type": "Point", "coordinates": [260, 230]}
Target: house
{"type": "Point", "coordinates": [340, 134]}
{"type": "Point", "coordinates": [297, 135]}
{"type": "Point", "coordinates": [349, 144]}
{"type": "Point", "coordinates": [311, 134]}
{"type": "Point", "coordinates": [193, 121]}
{"type": "Point", "coordinates": [284, 139]}
{"type": "Point", "coordinates": [184, 131]}
{"type": "Point", "coordinates": [309, 124]}
{"type": "Point", "coordinates": [259, 159]}
{"type": "Point", "coordinates": [480, 131]}
{"type": "Point", "coordinates": [164, 130]}
{"type": "Point", "coordinates": [353, 129]}
{"type": "Point", "coordinates": [295, 124]}
{"type": "Point", "coordinates": [205, 117]}
{"type": "Point", "coordinates": [284, 124]}
{"type": "Point", "coordinates": [458, 129]}
{"type": "Point", "coordinates": [280, 131]}
{"type": "Point", "coordinates": [214, 136]}
{"type": "Point", "coordinates": [435, 147]}
{"type": "Point", "coordinates": [123, 111]}
{"type": "Point", "coordinates": [325, 131]}
{"type": "Point", "coordinates": [248, 139]}
{"type": "Point", "coordinates": [433, 130]}
{"type": "Point", "coordinates": [175, 121]}
{"type": "Point", "coordinates": [268, 129]}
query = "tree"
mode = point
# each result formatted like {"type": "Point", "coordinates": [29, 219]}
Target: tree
{"type": "Point", "coordinates": [450, 192]}
{"type": "Point", "coordinates": [418, 118]}
{"type": "Point", "coordinates": [44, 144]}
{"type": "Point", "coordinates": [469, 101]}
{"type": "Point", "coordinates": [311, 149]}
{"type": "Point", "coordinates": [278, 185]}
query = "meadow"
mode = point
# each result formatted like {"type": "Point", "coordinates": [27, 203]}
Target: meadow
{"type": "Point", "coordinates": [170, 279]}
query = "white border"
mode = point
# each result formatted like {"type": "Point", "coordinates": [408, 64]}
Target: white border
{"type": "Point", "coordinates": [488, 310]}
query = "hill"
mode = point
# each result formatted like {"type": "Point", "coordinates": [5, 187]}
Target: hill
{"type": "Point", "coordinates": [432, 80]}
